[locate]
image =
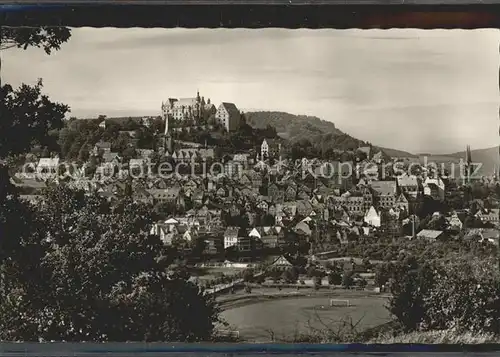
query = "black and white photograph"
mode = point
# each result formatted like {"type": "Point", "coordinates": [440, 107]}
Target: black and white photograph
{"type": "Point", "coordinates": [249, 185]}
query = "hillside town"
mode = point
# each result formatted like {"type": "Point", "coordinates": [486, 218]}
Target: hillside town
{"type": "Point", "coordinates": [249, 206]}
{"type": "Point", "coordinates": [127, 215]}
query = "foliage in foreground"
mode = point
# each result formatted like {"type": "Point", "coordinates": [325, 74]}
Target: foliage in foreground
{"type": "Point", "coordinates": [437, 337]}
{"type": "Point", "coordinates": [86, 271]}
{"type": "Point", "coordinates": [459, 293]}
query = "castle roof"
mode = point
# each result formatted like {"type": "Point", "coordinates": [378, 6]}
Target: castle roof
{"type": "Point", "coordinates": [231, 108]}
{"type": "Point", "coordinates": [186, 102]}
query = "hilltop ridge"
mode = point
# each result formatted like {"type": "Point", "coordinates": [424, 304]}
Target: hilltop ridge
{"type": "Point", "coordinates": [304, 127]}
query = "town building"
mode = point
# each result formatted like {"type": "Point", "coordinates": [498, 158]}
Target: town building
{"type": "Point", "coordinates": [102, 147]}
{"type": "Point", "coordinates": [435, 188]}
{"type": "Point", "coordinates": [408, 184]}
{"type": "Point", "coordinates": [430, 235]}
{"type": "Point", "coordinates": [385, 191]}
{"type": "Point", "coordinates": [228, 116]}
{"type": "Point", "coordinates": [372, 217]}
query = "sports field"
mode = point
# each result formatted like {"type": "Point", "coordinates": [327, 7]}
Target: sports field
{"type": "Point", "coordinates": [286, 317]}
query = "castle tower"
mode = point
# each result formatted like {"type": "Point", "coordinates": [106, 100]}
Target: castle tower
{"type": "Point", "coordinates": [166, 124]}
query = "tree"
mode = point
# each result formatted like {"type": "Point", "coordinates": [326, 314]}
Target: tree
{"type": "Point", "coordinates": [248, 275]}
{"type": "Point", "coordinates": [290, 276]}
{"type": "Point", "coordinates": [367, 265]}
{"type": "Point", "coordinates": [361, 282]}
{"type": "Point", "coordinates": [48, 38]}
{"type": "Point", "coordinates": [99, 290]}
{"type": "Point", "coordinates": [317, 282]}
{"type": "Point", "coordinates": [84, 153]}
{"type": "Point", "coordinates": [29, 116]}
{"type": "Point", "coordinates": [312, 271]}
{"type": "Point", "coordinates": [411, 283]}
{"type": "Point", "coordinates": [334, 278]}
{"type": "Point", "coordinates": [347, 279]}
{"type": "Point", "coordinates": [383, 274]}
{"type": "Point", "coordinates": [437, 223]}
{"type": "Point", "coordinates": [248, 289]}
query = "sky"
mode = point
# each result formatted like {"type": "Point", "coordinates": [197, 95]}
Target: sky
{"type": "Point", "coordinates": [414, 90]}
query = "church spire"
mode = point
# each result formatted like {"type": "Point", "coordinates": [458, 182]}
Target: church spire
{"type": "Point", "coordinates": [468, 164]}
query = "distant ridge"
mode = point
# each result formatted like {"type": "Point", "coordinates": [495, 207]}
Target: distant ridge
{"type": "Point", "coordinates": [297, 127]}
{"type": "Point", "coordinates": [489, 158]}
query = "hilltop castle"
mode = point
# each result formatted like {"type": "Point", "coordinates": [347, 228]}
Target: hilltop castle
{"type": "Point", "coordinates": [187, 109]}
{"type": "Point", "coordinates": [187, 112]}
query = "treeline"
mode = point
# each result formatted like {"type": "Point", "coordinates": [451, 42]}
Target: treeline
{"type": "Point", "coordinates": [325, 146]}
{"type": "Point", "coordinates": [458, 293]}
{"type": "Point", "coordinates": [244, 139]}
{"type": "Point", "coordinates": [294, 127]}
{"type": "Point", "coordinates": [78, 137]}
{"type": "Point", "coordinates": [110, 280]}
{"type": "Point", "coordinates": [309, 136]}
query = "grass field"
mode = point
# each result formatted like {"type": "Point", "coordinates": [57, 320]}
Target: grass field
{"type": "Point", "coordinates": [256, 322]}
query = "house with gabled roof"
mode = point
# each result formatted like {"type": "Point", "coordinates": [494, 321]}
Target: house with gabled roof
{"type": "Point", "coordinates": [489, 216]}
{"type": "Point", "coordinates": [222, 191]}
{"type": "Point", "coordinates": [385, 191]}
{"type": "Point", "coordinates": [366, 150]}
{"type": "Point", "coordinates": [402, 203]}
{"type": "Point", "coordinates": [254, 233]}
{"type": "Point", "coordinates": [102, 147]}
{"type": "Point", "coordinates": [231, 237]}
{"type": "Point", "coordinates": [291, 193]}
{"type": "Point", "coordinates": [434, 187]}
{"type": "Point", "coordinates": [245, 180]}
{"type": "Point", "coordinates": [303, 228]}
{"type": "Point", "coordinates": [454, 222]}
{"type": "Point", "coordinates": [408, 184]}
{"type": "Point", "coordinates": [48, 166]}
{"type": "Point", "coordinates": [165, 195]}
{"type": "Point", "coordinates": [280, 262]}
{"type": "Point", "coordinates": [491, 235]}
{"type": "Point", "coordinates": [275, 193]}
{"type": "Point", "coordinates": [372, 217]}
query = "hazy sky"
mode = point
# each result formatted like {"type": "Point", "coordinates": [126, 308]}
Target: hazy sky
{"type": "Point", "coordinates": [415, 90]}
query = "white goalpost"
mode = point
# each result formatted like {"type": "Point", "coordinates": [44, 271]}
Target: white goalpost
{"type": "Point", "coordinates": [334, 302]}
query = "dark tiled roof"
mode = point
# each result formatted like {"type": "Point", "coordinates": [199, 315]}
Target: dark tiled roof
{"type": "Point", "coordinates": [231, 109]}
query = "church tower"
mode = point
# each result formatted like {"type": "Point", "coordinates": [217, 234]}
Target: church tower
{"type": "Point", "coordinates": [166, 124]}
{"type": "Point", "coordinates": [198, 105]}
{"type": "Point", "coordinates": [468, 165]}
{"type": "Point", "coordinates": [167, 144]}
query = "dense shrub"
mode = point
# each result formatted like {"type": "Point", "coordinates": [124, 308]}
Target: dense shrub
{"type": "Point", "coordinates": [457, 293]}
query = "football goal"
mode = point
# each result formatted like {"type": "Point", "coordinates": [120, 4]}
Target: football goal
{"type": "Point", "coordinates": [337, 302]}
